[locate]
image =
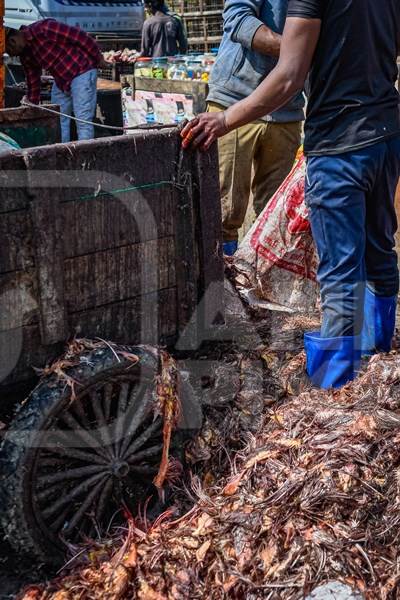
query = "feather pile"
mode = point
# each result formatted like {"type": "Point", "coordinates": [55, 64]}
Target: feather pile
{"type": "Point", "coordinates": [309, 494]}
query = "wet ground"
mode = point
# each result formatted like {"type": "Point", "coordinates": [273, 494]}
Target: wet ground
{"type": "Point", "coordinates": [13, 574]}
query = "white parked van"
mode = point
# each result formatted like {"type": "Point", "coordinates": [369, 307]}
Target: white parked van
{"type": "Point", "coordinates": [101, 16]}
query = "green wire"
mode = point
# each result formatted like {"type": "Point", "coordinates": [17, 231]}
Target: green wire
{"type": "Point", "coordinates": [145, 186]}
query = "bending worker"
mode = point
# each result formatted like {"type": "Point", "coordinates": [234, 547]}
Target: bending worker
{"type": "Point", "coordinates": [258, 155]}
{"type": "Point", "coordinates": [72, 57]}
{"type": "Point", "coordinates": [352, 140]}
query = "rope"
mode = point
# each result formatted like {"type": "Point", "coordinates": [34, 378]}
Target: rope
{"type": "Point", "coordinates": [10, 72]}
{"type": "Point", "coordinates": [145, 186]}
{"type": "Point", "coordinates": [112, 127]}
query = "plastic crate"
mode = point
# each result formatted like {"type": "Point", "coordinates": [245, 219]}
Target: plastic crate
{"type": "Point", "coordinates": [195, 27]}
{"type": "Point", "coordinates": [108, 73]}
{"type": "Point", "coordinates": [213, 5]}
{"type": "Point", "coordinates": [125, 68]}
{"type": "Point", "coordinates": [182, 7]}
{"type": "Point", "coordinates": [204, 27]}
{"type": "Point", "coordinates": [115, 70]}
{"type": "Point", "coordinates": [215, 25]}
{"type": "Point", "coordinates": [202, 47]}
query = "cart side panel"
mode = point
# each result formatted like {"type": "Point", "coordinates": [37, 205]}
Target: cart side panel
{"type": "Point", "coordinates": [30, 126]}
{"type": "Point", "coordinates": [18, 289]}
{"type": "Point", "coordinates": [116, 274]}
{"type": "Point", "coordinates": [105, 222]}
{"type": "Point", "coordinates": [117, 243]}
{"type": "Point", "coordinates": [14, 192]}
{"type": "Point", "coordinates": [18, 283]}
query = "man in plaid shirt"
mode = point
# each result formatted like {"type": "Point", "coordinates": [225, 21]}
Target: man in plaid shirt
{"type": "Point", "coordinates": [71, 57]}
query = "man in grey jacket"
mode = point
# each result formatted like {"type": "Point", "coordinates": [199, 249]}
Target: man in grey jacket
{"type": "Point", "coordinates": [260, 155]}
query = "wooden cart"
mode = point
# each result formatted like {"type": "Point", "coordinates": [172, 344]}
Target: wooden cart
{"type": "Point", "coordinates": [113, 239]}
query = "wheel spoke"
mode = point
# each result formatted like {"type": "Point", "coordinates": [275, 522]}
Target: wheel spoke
{"type": "Point", "coordinates": [90, 498]}
{"type": "Point", "coordinates": [67, 450]}
{"type": "Point", "coordinates": [107, 399]}
{"type": "Point", "coordinates": [103, 500]}
{"type": "Point", "coordinates": [51, 462]}
{"type": "Point", "coordinates": [122, 408]}
{"type": "Point", "coordinates": [101, 422]}
{"type": "Point", "coordinates": [74, 493]}
{"type": "Point", "coordinates": [97, 408]}
{"type": "Point", "coordinates": [143, 438]}
{"type": "Point", "coordinates": [123, 397]}
{"type": "Point", "coordinates": [133, 420]}
{"type": "Point", "coordinates": [89, 440]}
{"type": "Point", "coordinates": [78, 409]}
{"type": "Point", "coordinates": [78, 454]}
{"type": "Point", "coordinates": [57, 524]}
{"type": "Point", "coordinates": [49, 492]}
{"type": "Point", "coordinates": [149, 452]}
{"type": "Point", "coordinates": [74, 473]}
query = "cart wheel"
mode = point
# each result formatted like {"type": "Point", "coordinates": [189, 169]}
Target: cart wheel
{"type": "Point", "coordinates": [70, 466]}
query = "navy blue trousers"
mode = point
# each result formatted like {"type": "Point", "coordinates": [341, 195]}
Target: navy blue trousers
{"type": "Point", "coordinates": [351, 204]}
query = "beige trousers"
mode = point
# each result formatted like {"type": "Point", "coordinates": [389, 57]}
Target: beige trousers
{"type": "Point", "coordinates": [262, 149]}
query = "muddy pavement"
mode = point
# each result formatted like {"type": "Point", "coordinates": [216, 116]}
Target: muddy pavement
{"type": "Point", "coordinates": [14, 574]}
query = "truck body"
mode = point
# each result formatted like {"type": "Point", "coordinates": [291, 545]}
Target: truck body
{"type": "Point", "coordinates": [97, 17]}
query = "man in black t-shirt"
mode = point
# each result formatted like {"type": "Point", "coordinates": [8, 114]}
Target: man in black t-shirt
{"type": "Point", "coordinates": [352, 142]}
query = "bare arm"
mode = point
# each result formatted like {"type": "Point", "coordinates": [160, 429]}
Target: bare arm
{"type": "Point", "coordinates": [242, 23]}
{"type": "Point", "coordinates": [33, 75]}
{"type": "Point", "coordinates": [299, 42]}
{"type": "Point", "coordinates": [266, 41]}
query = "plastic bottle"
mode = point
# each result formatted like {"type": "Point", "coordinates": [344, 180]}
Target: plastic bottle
{"type": "Point", "coordinates": [150, 116]}
{"type": "Point", "coordinates": [194, 68]}
{"type": "Point", "coordinates": [205, 76]}
{"type": "Point", "coordinates": [159, 68]}
{"type": "Point", "coordinates": [177, 69]}
{"type": "Point", "coordinates": [143, 67]}
{"type": "Point", "coordinates": [180, 112]}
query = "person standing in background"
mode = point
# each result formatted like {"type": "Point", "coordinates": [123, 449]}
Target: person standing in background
{"type": "Point", "coordinates": [72, 57]}
{"type": "Point", "coordinates": [248, 53]}
{"type": "Point", "coordinates": [163, 34]}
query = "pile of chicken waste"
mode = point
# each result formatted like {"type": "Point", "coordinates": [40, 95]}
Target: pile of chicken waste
{"type": "Point", "coordinates": [304, 491]}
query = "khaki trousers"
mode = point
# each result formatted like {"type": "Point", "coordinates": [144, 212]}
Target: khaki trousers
{"type": "Point", "coordinates": [262, 149]}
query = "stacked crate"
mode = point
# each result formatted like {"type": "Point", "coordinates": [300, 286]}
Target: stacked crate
{"type": "Point", "coordinates": [202, 20]}
{"type": "Point", "coordinates": [114, 71]}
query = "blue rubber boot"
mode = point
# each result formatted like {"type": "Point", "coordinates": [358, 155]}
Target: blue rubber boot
{"type": "Point", "coordinates": [229, 248]}
{"type": "Point", "coordinates": [332, 362]}
{"type": "Point", "coordinates": [379, 323]}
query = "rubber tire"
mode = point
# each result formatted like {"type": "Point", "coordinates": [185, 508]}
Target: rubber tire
{"type": "Point", "coordinates": [49, 396]}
